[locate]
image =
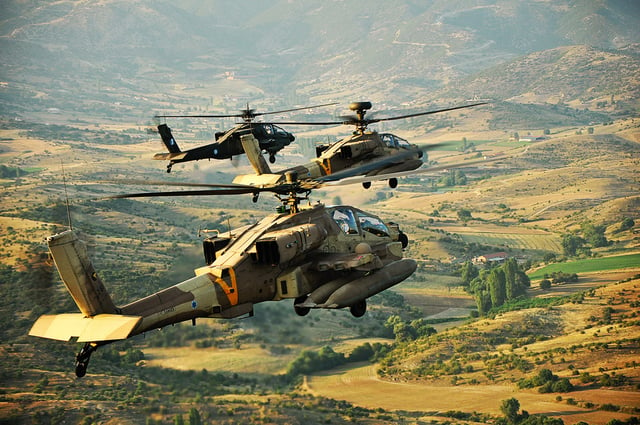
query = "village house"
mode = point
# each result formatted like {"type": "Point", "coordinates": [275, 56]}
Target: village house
{"type": "Point", "coordinates": [497, 257]}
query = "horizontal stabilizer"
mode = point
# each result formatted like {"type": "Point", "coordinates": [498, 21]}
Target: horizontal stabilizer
{"type": "Point", "coordinates": [257, 180]}
{"type": "Point", "coordinates": [102, 327]}
{"type": "Point", "coordinates": [168, 155]}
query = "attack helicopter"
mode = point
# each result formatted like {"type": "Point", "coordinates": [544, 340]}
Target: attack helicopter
{"type": "Point", "coordinates": [271, 137]}
{"type": "Point", "coordinates": [364, 153]}
{"type": "Point", "coordinates": [321, 257]}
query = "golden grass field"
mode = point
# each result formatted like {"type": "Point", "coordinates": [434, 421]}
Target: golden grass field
{"type": "Point", "coordinates": [362, 386]}
{"type": "Point", "coordinates": [543, 203]}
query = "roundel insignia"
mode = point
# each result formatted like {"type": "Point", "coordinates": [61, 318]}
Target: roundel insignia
{"type": "Point", "coordinates": [215, 151]}
{"type": "Point", "coordinates": [194, 304]}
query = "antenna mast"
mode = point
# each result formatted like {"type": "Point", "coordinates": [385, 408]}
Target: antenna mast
{"type": "Point", "coordinates": [66, 196]}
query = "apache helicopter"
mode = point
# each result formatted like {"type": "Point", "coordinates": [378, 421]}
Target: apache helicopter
{"type": "Point", "coordinates": [319, 256]}
{"type": "Point", "coordinates": [365, 153]}
{"type": "Point", "coordinates": [271, 138]}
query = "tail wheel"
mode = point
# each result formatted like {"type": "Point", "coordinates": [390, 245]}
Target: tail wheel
{"type": "Point", "coordinates": [366, 185]}
{"type": "Point", "coordinates": [272, 159]}
{"type": "Point", "coordinates": [83, 357]}
{"type": "Point", "coordinates": [359, 308]}
{"type": "Point", "coordinates": [81, 369]}
{"type": "Point", "coordinates": [393, 183]}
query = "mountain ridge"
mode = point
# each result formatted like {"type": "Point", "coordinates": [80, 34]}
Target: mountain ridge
{"type": "Point", "coordinates": [394, 52]}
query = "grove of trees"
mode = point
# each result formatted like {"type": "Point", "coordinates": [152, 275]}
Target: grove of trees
{"type": "Point", "coordinates": [494, 286]}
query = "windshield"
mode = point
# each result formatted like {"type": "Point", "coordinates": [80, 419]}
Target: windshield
{"type": "Point", "coordinates": [372, 224]}
{"type": "Point", "coordinates": [345, 219]}
{"type": "Point", "coordinates": [279, 131]}
{"type": "Point", "coordinates": [393, 141]}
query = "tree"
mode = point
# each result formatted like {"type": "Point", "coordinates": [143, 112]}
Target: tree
{"type": "Point", "coordinates": [627, 223]}
{"type": "Point", "coordinates": [509, 409]}
{"type": "Point", "coordinates": [545, 284]}
{"type": "Point", "coordinates": [594, 235]}
{"type": "Point", "coordinates": [468, 272]}
{"type": "Point", "coordinates": [571, 244]}
{"type": "Point", "coordinates": [194, 417]}
{"type": "Point", "coordinates": [464, 215]}
{"type": "Point", "coordinates": [497, 283]}
{"type": "Point", "coordinates": [483, 301]}
{"type": "Point", "coordinates": [362, 353]}
{"type": "Point", "coordinates": [512, 289]}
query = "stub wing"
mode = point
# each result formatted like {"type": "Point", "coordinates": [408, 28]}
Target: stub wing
{"type": "Point", "coordinates": [364, 261]}
{"type": "Point", "coordinates": [101, 327]}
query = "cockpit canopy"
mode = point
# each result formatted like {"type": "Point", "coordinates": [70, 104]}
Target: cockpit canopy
{"type": "Point", "coordinates": [393, 141]}
{"type": "Point", "coordinates": [354, 222]}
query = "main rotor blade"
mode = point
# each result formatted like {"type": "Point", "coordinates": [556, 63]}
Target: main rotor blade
{"type": "Point", "coordinates": [437, 111]}
{"type": "Point", "coordinates": [356, 121]}
{"type": "Point", "coordinates": [228, 191]}
{"type": "Point", "coordinates": [130, 182]}
{"type": "Point", "coordinates": [247, 113]}
{"type": "Point", "coordinates": [219, 189]}
{"type": "Point", "coordinates": [297, 109]}
{"type": "Point", "coordinates": [200, 116]}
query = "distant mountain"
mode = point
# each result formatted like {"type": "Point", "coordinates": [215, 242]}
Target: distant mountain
{"type": "Point", "coordinates": [580, 75]}
{"type": "Point", "coordinates": [66, 54]}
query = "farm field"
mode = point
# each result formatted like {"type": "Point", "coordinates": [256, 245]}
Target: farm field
{"type": "Point", "coordinates": [362, 387]}
{"type": "Point", "coordinates": [538, 242]}
{"type": "Point", "coordinates": [617, 262]}
{"type": "Point", "coordinates": [595, 349]}
{"type": "Point", "coordinates": [250, 359]}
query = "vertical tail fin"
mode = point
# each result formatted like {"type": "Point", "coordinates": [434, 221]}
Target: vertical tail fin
{"type": "Point", "coordinates": [167, 138]}
{"type": "Point", "coordinates": [252, 149]}
{"type": "Point", "coordinates": [78, 274]}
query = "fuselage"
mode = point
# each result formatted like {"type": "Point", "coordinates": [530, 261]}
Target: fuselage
{"type": "Point", "coordinates": [282, 256]}
{"type": "Point", "coordinates": [365, 154]}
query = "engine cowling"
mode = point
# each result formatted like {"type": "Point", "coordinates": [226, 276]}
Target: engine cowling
{"type": "Point", "coordinates": [358, 148]}
{"type": "Point", "coordinates": [282, 246]}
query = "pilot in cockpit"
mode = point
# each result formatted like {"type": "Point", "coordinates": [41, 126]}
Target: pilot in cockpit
{"type": "Point", "coordinates": [346, 221]}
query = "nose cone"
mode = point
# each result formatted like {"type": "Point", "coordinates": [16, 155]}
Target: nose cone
{"type": "Point", "coordinates": [292, 137]}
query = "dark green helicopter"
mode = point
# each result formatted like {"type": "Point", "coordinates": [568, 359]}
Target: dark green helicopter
{"type": "Point", "coordinates": [271, 138]}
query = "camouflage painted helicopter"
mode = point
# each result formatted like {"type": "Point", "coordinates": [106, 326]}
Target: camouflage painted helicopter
{"type": "Point", "coordinates": [364, 153]}
{"type": "Point", "coordinates": [271, 138]}
{"type": "Point", "coordinates": [321, 257]}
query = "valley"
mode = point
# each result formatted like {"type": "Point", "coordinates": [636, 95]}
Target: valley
{"type": "Point", "coordinates": [555, 208]}
{"type": "Point", "coordinates": [154, 244]}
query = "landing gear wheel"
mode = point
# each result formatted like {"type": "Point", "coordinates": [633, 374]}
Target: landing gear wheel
{"type": "Point", "coordinates": [169, 168]}
{"type": "Point", "coordinates": [301, 311]}
{"type": "Point", "coordinates": [272, 159]}
{"type": "Point", "coordinates": [393, 183]}
{"type": "Point", "coordinates": [403, 239]}
{"type": "Point", "coordinates": [366, 185]}
{"type": "Point", "coordinates": [254, 198]}
{"type": "Point", "coordinates": [82, 359]}
{"type": "Point", "coordinates": [359, 308]}
{"type": "Point", "coordinates": [81, 369]}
